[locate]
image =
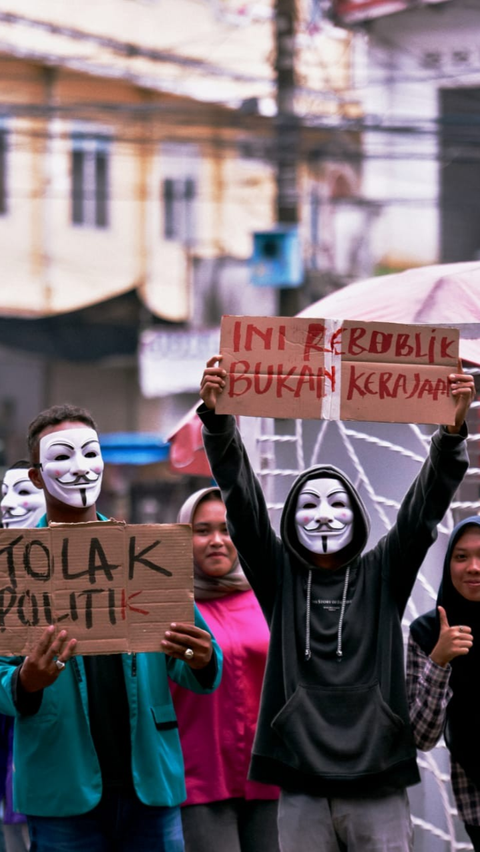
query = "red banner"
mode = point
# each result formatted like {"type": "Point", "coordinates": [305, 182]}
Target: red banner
{"type": "Point", "coordinates": [351, 11]}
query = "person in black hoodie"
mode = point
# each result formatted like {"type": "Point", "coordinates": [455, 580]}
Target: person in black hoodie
{"type": "Point", "coordinates": [443, 664]}
{"type": "Point", "coordinates": [333, 729]}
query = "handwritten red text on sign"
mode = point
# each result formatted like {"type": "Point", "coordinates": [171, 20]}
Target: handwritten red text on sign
{"type": "Point", "coordinates": [281, 367]}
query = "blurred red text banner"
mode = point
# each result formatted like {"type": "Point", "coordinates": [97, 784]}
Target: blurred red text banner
{"type": "Point", "coordinates": [350, 11]}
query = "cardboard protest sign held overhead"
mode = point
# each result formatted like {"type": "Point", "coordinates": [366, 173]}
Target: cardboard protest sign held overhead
{"type": "Point", "coordinates": [337, 369]}
{"type": "Point", "coordinates": [115, 587]}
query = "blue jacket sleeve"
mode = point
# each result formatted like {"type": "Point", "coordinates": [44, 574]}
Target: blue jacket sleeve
{"type": "Point", "coordinates": [8, 670]}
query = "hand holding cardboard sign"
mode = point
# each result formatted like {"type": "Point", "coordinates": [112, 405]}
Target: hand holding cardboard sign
{"type": "Point", "coordinates": [213, 381]}
{"type": "Point", "coordinates": [40, 669]}
{"type": "Point", "coordinates": [189, 643]}
{"type": "Point", "coordinates": [334, 369]}
{"type": "Point", "coordinates": [462, 388]}
{"type": "Point", "coordinates": [121, 585]}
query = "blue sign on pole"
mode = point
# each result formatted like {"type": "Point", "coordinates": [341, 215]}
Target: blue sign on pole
{"type": "Point", "coordinates": [277, 258]}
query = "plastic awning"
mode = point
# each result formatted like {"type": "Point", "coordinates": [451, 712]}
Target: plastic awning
{"type": "Point", "coordinates": [133, 448]}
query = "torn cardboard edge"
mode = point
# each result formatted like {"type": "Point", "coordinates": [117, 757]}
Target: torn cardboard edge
{"type": "Point", "coordinates": [115, 587]}
{"type": "Point", "coordinates": [333, 369]}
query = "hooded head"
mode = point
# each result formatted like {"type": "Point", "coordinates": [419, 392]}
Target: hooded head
{"type": "Point", "coordinates": [460, 597]}
{"type": "Point", "coordinates": [459, 591]}
{"type": "Point", "coordinates": [324, 520]}
{"type": "Point", "coordinates": [217, 571]}
{"type": "Point", "coordinates": [461, 605]}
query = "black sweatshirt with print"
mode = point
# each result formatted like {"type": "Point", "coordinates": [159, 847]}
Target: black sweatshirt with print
{"type": "Point", "coordinates": [334, 718]}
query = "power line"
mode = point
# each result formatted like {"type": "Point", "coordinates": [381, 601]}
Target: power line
{"type": "Point", "coordinates": [333, 147]}
{"type": "Point", "coordinates": [124, 48]}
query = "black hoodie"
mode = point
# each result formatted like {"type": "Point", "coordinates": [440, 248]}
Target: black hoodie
{"type": "Point", "coordinates": [330, 724]}
{"type": "Point", "coordinates": [462, 709]}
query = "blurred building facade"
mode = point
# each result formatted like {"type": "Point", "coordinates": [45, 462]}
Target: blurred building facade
{"type": "Point", "coordinates": [418, 76]}
{"type": "Point", "coordinates": [137, 158]}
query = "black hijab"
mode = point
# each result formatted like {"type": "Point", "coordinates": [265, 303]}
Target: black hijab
{"type": "Point", "coordinates": [461, 732]}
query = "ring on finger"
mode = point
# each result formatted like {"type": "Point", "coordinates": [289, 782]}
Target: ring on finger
{"type": "Point", "coordinates": [189, 654]}
{"type": "Point", "coordinates": [60, 665]}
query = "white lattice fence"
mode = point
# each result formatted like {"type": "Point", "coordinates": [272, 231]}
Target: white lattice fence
{"type": "Point", "coordinates": [382, 460]}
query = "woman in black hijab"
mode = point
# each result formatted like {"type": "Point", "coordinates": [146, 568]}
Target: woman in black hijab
{"type": "Point", "coordinates": [443, 664]}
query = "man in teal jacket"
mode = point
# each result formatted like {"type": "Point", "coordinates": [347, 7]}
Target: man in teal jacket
{"type": "Point", "coordinates": [97, 759]}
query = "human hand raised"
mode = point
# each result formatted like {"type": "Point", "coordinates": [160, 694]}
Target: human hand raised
{"type": "Point", "coordinates": [213, 381]}
{"type": "Point", "coordinates": [189, 643]}
{"type": "Point", "coordinates": [46, 661]}
{"type": "Point", "coordinates": [452, 641]}
{"type": "Point", "coordinates": [462, 388]}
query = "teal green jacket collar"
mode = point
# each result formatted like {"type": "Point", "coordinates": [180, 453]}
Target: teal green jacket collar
{"type": "Point", "coordinates": [44, 523]}
{"type": "Point", "coordinates": [58, 735]}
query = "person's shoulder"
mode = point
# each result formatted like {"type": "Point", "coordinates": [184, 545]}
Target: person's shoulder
{"type": "Point", "coordinates": [424, 630]}
{"type": "Point", "coordinates": [427, 618]}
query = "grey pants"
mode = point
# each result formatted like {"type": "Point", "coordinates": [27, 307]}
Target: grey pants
{"type": "Point", "coordinates": [16, 837]}
{"type": "Point", "coordinates": [234, 825]}
{"type": "Point", "coordinates": [317, 824]}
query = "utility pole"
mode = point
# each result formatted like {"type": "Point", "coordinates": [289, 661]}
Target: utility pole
{"type": "Point", "coordinates": [287, 132]}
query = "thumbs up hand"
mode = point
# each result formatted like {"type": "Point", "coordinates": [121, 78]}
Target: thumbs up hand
{"type": "Point", "coordinates": [452, 641]}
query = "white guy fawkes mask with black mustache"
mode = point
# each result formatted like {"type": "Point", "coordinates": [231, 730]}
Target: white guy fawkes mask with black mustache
{"type": "Point", "coordinates": [324, 516]}
{"type": "Point", "coordinates": [72, 466]}
{"type": "Point", "coordinates": [23, 504]}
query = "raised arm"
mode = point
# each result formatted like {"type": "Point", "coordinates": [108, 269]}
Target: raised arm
{"type": "Point", "coordinates": [213, 382]}
{"type": "Point", "coordinates": [247, 515]}
{"type": "Point", "coordinates": [428, 498]}
{"type": "Point", "coordinates": [462, 388]}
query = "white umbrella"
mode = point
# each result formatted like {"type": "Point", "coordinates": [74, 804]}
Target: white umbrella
{"type": "Point", "coordinates": [446, 294]}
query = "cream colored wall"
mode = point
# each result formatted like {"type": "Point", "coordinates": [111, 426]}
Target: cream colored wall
{"type": "Point", "coordinates": [166, 285]}
{"type": "Point", "coordinates": [324, 67]}
{"type": "Point", "coordinates": [233, 50]}
{"type": "Point", "coordinates": [49, 264]}
{"type": "Point", "coordinates": [98, 259]}
{"type": "Point", "coordinates": [20, 227]}
{"type": "Point", "coordinates": [223, 52]}
{"type": "Point", "coordinates": [247, 202]}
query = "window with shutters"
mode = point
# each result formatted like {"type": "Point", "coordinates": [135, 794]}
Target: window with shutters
{"type": "Point", "coordinates": [90, 180]}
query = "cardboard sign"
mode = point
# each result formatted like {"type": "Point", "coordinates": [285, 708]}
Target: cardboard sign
{"type": "Point", "coordinates": [114, 587]}
{"type": "Point", "coordinates": [337, 370]}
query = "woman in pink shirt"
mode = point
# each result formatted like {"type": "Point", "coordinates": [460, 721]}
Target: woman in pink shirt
{"type": "Point", "coordinates": [224, 811]}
